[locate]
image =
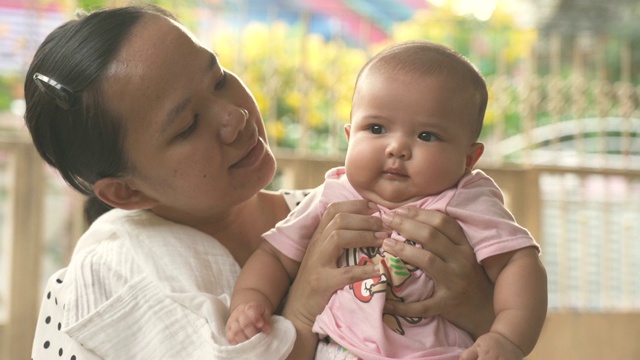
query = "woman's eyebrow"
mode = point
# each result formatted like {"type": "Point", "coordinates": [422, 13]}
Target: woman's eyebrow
{"type": "Point", "coordinates": [175, 111]}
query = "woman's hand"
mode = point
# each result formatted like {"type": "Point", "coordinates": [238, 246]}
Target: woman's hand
{"type": "Point", "coordinates": [463, 292]}
{"type": "Point", "coordinates": [344, 225]}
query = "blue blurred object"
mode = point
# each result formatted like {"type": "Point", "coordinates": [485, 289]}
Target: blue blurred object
{"type": "Point", "coordinates": [360, 21]}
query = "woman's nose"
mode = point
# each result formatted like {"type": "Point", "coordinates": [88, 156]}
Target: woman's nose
{"type": "Point", "coordinates": [232, 123]}
{"type": "Point", "coordinates": [398, 148]}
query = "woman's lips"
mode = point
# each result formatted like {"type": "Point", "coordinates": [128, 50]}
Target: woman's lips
{"type": "Point", "coordinates": [252, 157]}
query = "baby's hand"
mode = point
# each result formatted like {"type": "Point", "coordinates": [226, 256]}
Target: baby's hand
{"type": "Point", "coordinates": [246, 320]}
{"type": "Point", "coordinates": [492, 346]}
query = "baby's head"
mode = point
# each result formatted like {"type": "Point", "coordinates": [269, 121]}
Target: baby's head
{"type": "Point", "coordinates": [422, 59]}
{"type": "Point", "coordinates": [416, 116]}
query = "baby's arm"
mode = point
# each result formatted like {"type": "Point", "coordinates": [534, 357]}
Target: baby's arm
{"type": "Point", "coordinates": [261, 286]}
{"type": "Point", "coordinates": [520, 302]}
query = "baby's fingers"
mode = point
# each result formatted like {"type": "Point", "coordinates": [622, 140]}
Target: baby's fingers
{"type": "Point", "coordinates": [470, 354]}
{"type": "Point", "coordinates": [238, 332]}
{"type": "Point", "coordinates": [249, 321]}
{"type": "Point", "coordinates": [257, 315]}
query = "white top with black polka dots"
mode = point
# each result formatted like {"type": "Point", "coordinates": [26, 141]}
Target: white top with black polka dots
{"type": "Point", "coordinates": [141, 287]}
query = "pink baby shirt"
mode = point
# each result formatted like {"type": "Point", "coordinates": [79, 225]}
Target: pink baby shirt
{"type": "Point", "coordinates": [354, 316]}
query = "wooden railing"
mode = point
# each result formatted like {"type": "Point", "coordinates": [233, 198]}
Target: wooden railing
{"type": "Point", "coordinates": [572, 331]}
{"type": "Point", "coordinates": [568, 334]}
{"type": "Point", "coordinates": [22, 204]}
{"type": "Point", "coordinates": [549, 139]}
{"type": "Point", "coordinates": [574, 121]}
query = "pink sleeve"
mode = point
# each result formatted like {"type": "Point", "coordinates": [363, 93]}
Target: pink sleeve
{"type": "Point", "coordinates": [291, 236]}
{"type": "Point", "coordinates": [478, 206]}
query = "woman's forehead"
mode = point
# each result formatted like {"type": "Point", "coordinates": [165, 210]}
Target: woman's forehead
{"type": "Point", "coordinates": [154, 38]}
{"type": "Point", "coordinates": [158, 64]}
{"type": "Point", "coordinates": [158, 49]}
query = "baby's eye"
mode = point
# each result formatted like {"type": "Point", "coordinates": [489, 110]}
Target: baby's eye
{"type": "Point", "coordinates": [377, 129]}
{"type": "Point", "coordinates": [428, 137]}
{"type": "Point", "coordinates": [220, 83]}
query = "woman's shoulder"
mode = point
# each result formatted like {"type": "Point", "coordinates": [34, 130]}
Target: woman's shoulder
{"type": "Point", "coordinates": [96, 272]}
{"type": "Point", "coordinates": [122, 247]}
{"type": "Point", "coordinates": [135, 228]}
{"type": "Point", "coordinates": [114, 223]}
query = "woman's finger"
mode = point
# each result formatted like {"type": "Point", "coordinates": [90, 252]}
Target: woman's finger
{"type": "Point", "coordinates": [345, 225]}
{"type": "Point", "coordinates": [426, 308]}
{"type": "Point", "coordinates": [426, 260]}
{"type": "Point", "coordinates": [352, 274]}
{"type": "Point", "coordinates": [360, 207]}
{"type": "Point", "coordinates": [340, 240]}
{"type": "Point", "coordinates": [441, 237]}
{"type": "Point", "coordinates": [411, 222]}
{"type": "Point", "coordinates": [462, 288]}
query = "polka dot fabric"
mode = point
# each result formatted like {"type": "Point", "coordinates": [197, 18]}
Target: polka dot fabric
{"type": "Point", "coordinates": [50, 341]}
{"type": "Point", "coordinates": [131, 292]}
{"type": "Point", "coordinates": [294, 197]}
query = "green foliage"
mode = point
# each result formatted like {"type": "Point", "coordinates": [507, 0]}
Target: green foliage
{"type": "Point", "coordinates": [186, 10]}
{"type": "Point", "coordinates": [302, 82]}
{"type": "Point", "coordinates": [8, 89]}
{"type": "Point", "coordinates": [497, 47]}
{"type": "Point", "coordinates": [494, 45]}
{"type": "Point", "coordinates": [89, 5]}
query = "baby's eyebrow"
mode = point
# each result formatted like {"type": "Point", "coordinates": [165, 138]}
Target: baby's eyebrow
{"type": "Point", "coordinates": [434, 124]}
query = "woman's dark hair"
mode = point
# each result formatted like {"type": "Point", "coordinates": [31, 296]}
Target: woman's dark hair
{"type": "Point", "coordinates": [80, 136]}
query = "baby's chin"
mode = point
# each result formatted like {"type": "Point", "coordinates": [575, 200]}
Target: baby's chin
{"type": "Point", "coordinates": [392, 201]}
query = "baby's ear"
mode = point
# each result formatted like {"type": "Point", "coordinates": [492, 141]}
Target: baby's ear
{"type": "Point", "coordinates": [347, 130]}
{"type": "Point", "coordinates": [473, 154]}
{"type": "Point", "coordinates": [117, 193]}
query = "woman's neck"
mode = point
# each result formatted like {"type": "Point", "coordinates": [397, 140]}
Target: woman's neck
{"type": "Point", "coordinates": [240, 231]}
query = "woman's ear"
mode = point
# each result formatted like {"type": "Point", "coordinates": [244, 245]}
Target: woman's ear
{"type": "Point", "coordinates": [473, 155]}
{"type": "Point", "coordinates": [117, 193]}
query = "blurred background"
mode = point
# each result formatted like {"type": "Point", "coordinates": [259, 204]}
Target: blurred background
{"type": "Point", "coordinates": [562, 134]}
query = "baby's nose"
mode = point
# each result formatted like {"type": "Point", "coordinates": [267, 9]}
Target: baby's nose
{"type": "Point", "coordinates": [399, 149]}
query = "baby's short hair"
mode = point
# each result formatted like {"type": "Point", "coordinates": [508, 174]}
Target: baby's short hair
{"type": "Point", "coordinates": [424, 58]}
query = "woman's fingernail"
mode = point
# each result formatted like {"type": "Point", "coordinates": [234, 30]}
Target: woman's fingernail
{"type": "Point", "coordinates": [387, 217]}
{"type": "Point", "coordinates": [389, 243]}
{"type": "Point", "coordinates": [381, 235]}
{"type": "Point", "coordinates": [402, 211]}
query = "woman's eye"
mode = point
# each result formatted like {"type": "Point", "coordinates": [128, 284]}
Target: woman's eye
{"type": "Point", "coordinates": [192, 127]}
{"type": "Point", "coordinates": [223, 80]}
{"type": "Point", "coordinates": [376, 129]}
{"type": "Point", "coordinates": [427, 136]}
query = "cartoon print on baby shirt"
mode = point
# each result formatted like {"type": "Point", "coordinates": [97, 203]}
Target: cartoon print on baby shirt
{"type": "Point", "coordinates": [393, 275]}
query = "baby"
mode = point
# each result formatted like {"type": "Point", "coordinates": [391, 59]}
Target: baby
{"type": "Point", "coordinates": [416, 116]}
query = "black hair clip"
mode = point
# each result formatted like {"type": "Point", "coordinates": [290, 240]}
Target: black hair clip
{"type": "Point", "coordinates": [64, 97]}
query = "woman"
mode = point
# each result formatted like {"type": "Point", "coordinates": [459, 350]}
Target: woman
{"type": "Point", "coordinates": [134, 111]}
